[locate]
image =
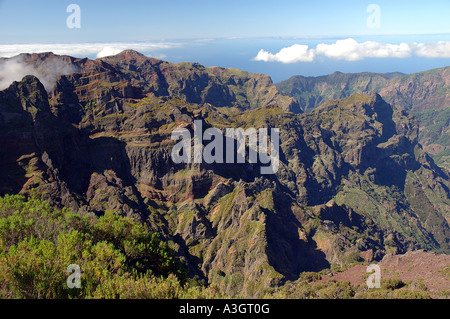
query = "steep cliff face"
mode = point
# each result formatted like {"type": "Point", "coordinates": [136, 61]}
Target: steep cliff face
{"type": "Point", "coordinates": [353, 183]}
{"type": "Point", "coordinates": [418, 91]}
{"type": "Point", "coordinates": [311, 92]}
{"type": "Point", "coordinates": [424, 95]}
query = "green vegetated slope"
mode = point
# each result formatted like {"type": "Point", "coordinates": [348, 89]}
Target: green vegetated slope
{"type": "Point", "coordinates": [435, 134]}
{"type": "Point", "coordinates": [353, 183]}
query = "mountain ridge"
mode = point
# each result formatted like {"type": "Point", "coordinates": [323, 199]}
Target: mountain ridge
{"type": "Point", "coordinates": [321, 87]}
{"type": "Point", "coordinates": [424, 94]}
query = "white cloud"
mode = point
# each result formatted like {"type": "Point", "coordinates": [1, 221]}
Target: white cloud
{"type": "Point", "coordinates": [292, 54]}
{"type": "Point", "coordinates": [439, 49]}
{"type": "Point", "coordinates": [350, 50]}
{"type": "Point", "coordinates": [85, 49]}
{"type": "Point", "coordinates": [12, 71]}
{"type": "Point", "coordinates": [108, 51]}
{"type": "Point", "coordinates": [48, 71]}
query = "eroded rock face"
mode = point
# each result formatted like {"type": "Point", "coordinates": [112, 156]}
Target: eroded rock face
{"type": "Point", "coordinates": [353, 183]}
{"type": "Point", "coordinates": [424, 95]}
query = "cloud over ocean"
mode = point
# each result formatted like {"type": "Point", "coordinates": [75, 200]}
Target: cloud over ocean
{"type": "Point", "coordinates": [351, 50]}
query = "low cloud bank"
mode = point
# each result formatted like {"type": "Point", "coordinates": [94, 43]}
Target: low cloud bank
{"type": "Point", "coordinates": [350, 50]}
{"type": "Point", "coordinates": [82, 50]}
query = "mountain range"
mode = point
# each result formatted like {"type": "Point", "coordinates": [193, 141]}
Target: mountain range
{"type": "Point", "coordinates": [355, 183]}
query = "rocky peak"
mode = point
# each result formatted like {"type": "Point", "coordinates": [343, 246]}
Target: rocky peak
{"type": "Point", "coordinates": [130, 54]}
{"type": "Point", "coordinates": [30, 93]}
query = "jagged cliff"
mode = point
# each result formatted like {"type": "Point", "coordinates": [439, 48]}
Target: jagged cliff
{"type": "Point", "coordinates": [353, 182]}
{"type": "Point", "coordinates": [424, 95]}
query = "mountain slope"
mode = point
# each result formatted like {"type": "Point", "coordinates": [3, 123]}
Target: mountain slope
{"type": "Point", "coordinates": [311, 92]}
{"type": "Point", "coordinates": [425, 95]}
{"type": "Point", "coordinates": [417, 92]}
{"type": "Point", "coordinates": [353, 182]}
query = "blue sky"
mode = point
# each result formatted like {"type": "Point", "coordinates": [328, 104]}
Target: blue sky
{"type": "Point", "coordinates": [113, 20]}
{"type": "Point", "coordinates": [232, 33]}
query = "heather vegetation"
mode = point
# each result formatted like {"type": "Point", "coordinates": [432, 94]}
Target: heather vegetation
{"type": "Point", "coordinates": [118, 257]}
{"type": "Point", "coordinates": [390, 289]}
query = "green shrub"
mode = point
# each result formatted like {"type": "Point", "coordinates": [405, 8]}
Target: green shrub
{"type": "Point", "coordinates": [392, 283]}
{"type": "Point", "coordinates": [39, 242]}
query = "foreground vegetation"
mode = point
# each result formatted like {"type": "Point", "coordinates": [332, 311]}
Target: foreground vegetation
{"type": "Point", "coordinates": [120, 258]}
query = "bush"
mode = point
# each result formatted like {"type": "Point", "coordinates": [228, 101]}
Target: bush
{"type": "Point", "coordinates": [310, 276]}
{"type": "Point", "coordinates": [392, 283]}
{"type": "Point", "coordinates": [38, 242]}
